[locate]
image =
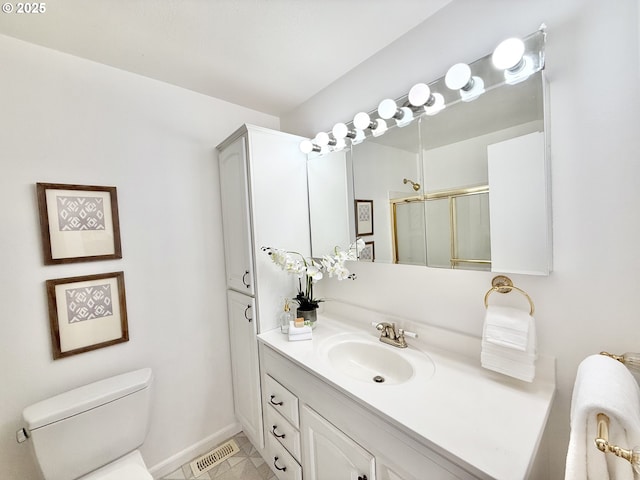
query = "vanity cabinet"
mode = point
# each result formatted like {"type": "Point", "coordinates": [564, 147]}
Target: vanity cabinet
{"type": "Point", "coordinates": [329, 453]}
{"type": "Point", "coordinates": [263, 192]}
{"type": "Point", "coordinates": [340, 438]}
{"type": "Point", "coordinates": [281, 422]}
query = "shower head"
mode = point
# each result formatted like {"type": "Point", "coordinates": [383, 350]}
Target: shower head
{"type": "Point", "coordinates": [415, 185]}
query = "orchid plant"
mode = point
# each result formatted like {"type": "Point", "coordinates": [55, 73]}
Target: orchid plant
{"type": "Point", "coordinates": [311, 270]}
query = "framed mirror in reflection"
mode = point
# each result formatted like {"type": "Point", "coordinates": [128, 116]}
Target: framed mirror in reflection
{"type": "Point", "coordinates": [464, 189]}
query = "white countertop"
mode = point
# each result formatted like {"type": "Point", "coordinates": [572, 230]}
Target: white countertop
{"type": "Point", "coordinates": [491, 422]}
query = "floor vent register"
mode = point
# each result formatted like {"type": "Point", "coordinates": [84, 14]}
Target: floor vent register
{"type": "Point", "coordinates": [209, 460]}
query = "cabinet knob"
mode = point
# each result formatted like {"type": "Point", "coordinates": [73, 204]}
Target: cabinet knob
{"type": "Point", "coordinates": [273, 430]}
{"type": "Point", "coordinates": [279, 404]}
{"type": "Point", "coordinates": [275, 464]}
{"type": "Point", "coordinates": [246, 273]}
{"type": "Point", "coordinates": [245, 313]}
{"type": "Point", "coordinates": [363, 477]}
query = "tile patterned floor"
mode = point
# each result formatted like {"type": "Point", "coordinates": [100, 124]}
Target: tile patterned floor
{"type": "Point", "coordinates": [247, 464]}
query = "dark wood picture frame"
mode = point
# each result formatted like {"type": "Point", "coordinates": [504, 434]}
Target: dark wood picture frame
{"type": "Point", "coordinates": [85, 313]}
{"type": "Point", "coordinates": [364, 217]}
{"type": "Point", "coordinates": [368, 254]}
{"type": "Point", "coordinates": [78, 223]}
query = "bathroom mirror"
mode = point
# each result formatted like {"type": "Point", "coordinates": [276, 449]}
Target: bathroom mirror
{"type": "Point", "coordinates": [464, 189]}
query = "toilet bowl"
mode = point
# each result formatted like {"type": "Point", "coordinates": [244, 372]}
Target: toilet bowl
{"type": "Point", "coordinates": [129, 467]}
{"type": "Point", "coordinates": [93, 432]}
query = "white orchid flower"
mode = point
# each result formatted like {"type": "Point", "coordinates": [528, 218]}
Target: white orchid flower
{"type": "Point", "coordinates": [314, 273]}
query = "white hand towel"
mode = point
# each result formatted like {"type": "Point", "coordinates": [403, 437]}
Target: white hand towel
{"type": "Point", "coordinates": [302, 336]}
{"type": "Point", "coordinates": [293, 330]}
{"type": "Point", "coordinates": [603, 385]}
{"type": "Point", "coordinates": [508, 327]}
{"type": "Point", "coordinates": [509, 354]}
{"type": "Point", "coordinates": [509, 342]}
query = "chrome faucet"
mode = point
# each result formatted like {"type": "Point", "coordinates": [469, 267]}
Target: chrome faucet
{"type": "Point", "coordinates": [389, 334]}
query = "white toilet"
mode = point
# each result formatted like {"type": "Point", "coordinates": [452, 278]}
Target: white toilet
{"type": "Point", "coordinates": [93, 432]}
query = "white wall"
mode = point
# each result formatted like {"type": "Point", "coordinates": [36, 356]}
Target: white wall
{"type": "Point", "coordinates": [589, 303]}
{"type": "Point", "coordinates": [67, 120]}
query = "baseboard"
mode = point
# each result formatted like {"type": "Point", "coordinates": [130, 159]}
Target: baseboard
{"type": "Point", "coordinates": [174, 462]}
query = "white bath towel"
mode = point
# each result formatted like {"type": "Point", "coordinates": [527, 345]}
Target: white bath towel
{"type": "Point", "coordinates": [603, 385]}
{"type": "Point", "coordinates": [509, 342]}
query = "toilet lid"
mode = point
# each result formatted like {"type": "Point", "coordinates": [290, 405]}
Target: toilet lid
{"type": "Point", "coordinates": [129, 471]}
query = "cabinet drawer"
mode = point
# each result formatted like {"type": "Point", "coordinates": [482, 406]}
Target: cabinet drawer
{"type": "Point", "coordinates": [284, 402]}
{"type": "Point", "coordinates": [283, 431]}
{"type": "Point", "coordinates": [281, 462]}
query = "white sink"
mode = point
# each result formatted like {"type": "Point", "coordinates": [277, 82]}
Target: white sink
{"type": "Point", "coordinates": [374, 362]}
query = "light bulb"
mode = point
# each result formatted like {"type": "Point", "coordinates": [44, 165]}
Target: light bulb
{"type": "Point", "coordinates": [340, 130]}
{"type": "Point", "coordinates": [387, 108]}
{"type": "Point", "coordinates": [508, 55]}
{"type": "Point", "coordinates": [362, 121]}
{"type": "Point", "coordinates": [458, 76]}
{"type": "Point", "coordinates": [437, 105]}
{"type": "Point", "coordinates": [322, 139]}
{"type": "Point", "coordinates": [419, 94]}
{"type": "Point", "coordinates": [407, 117]}
{"type": "Point", "coordinates": [476, 89]}
{"type": "Point", "coordinates": [307, 146]}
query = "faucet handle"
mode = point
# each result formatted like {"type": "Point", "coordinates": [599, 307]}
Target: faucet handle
{"type": "Point", "coordinates": [403, 332]}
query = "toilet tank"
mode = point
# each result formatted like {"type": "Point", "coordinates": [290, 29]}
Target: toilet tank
{"type": "Point", "coordinates": [83, 429]}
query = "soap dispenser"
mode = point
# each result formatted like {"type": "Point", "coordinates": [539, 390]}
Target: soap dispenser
{"type": "Point", "coordinates": [285, 317]}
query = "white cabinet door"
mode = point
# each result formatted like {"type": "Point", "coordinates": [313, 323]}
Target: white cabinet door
{"type": "Point", "coordinates": [328, 454]}
{"type": "Point", "coordinates": [234, 189]}
{"type": "Point", "coordinates": [244, 365]}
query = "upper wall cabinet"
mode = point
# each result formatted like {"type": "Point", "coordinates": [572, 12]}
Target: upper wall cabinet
{"type": "Point", "coordinates": [234, 188]}
{"type": "Point", "coordinates": [461, 184]}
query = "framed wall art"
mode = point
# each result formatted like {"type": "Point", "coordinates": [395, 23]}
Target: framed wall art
{"type": "Point", "coordinates": [78, 223]}
{"type": "Point", "coordinates": [364, 217]}
{"type": "Point", "coordinates": [87, 313]}
{"type": "Point", "coordinates": [368, 253]}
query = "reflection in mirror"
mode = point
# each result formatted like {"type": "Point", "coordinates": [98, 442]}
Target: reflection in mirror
{"type": "Point", "coordinates": [380, 167]}
{"type": "Point", "coordinates": [466, 188]}
{"type": "Point", "coordinates": [330, 208]}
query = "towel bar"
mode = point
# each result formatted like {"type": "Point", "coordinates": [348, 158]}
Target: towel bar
{"type": "Point", "coordinates": [503, 284]}
{"type": "Point", "coordinates": [630, 360]}
{"type": "Point", "coordinates": [602, 442]}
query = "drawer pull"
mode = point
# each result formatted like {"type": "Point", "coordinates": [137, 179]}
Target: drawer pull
{"type": "Point", "coordinates": [279, 404]}
{"type": "Point", "coordinates": [273, 430]}
{"type": "Point", "coordinates": [245, 313]}
{"type": "Point", "coordinates": [246, 284]}
{"type": "Point", "coordinates": [284, 469]}
{"type": "Point", "coordinates": [363, 477]}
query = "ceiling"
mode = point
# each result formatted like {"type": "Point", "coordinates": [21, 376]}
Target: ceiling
{"type": "Point", "coordinates": [267, 55]}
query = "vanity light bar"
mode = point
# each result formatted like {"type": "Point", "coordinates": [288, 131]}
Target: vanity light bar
{"type": "Point", "coordinates": [513, 61]}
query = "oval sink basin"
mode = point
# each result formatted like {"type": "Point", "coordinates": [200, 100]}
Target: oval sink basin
{"type": "Point", "coordinates": [370, 362]}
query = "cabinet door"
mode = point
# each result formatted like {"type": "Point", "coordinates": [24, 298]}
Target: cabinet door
{"type": "Point", "coordinates": [244, 365]}
{"type": "Point", "coordinates": [328, 454]}
{"type": "Point", "coordinates": [234, 188]}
